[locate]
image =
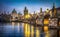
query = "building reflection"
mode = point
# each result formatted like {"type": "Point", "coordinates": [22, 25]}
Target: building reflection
{"type": "Point", "coordinates": [13, 23]}
{"type": "Point", "coordinates": [31, 31]}
{"type": "Point", "coordinates": [46, 31]}
{"type": "Point", "coordinates": [47, 34]}
{"type": "Point", "coordinates": [37, 32]}
{"type": "Point", "coordinates": [27, 30]}
{"type": "Point", "coordinates": [18, 27]}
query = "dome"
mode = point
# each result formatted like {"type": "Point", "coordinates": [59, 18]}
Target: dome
{"type": "Point", "coordinates": [14, 11]}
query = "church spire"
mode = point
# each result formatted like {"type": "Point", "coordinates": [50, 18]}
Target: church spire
{"type": "Point", "coordinates": [53, 5]}
{"type": "Point", "coordinates": [54, 10]}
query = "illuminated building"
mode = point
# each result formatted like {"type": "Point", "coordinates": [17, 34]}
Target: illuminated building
{"type": "Point", "coordinates": [14, 15]}
{"type": "Point", "coordinates": [50, 12]}
{"type": "Point", "coordinates": [19, 16]}
{"type": "Point", "coordinates": [25, 12]}
{"type": "Point", "coordinates": [46, 22]}
{"type": "Point", "coordinates": [53, 22]}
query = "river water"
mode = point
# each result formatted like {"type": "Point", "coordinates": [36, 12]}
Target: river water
{"type": "Point", "coordinates": [16, 29]}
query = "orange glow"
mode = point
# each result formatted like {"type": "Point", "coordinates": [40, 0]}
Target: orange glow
{"type": "Point", "coordinates": [46, 21]}
{"type": "Point", "coordinates": [45, 28]}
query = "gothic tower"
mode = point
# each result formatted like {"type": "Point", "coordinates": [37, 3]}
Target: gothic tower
{"type": "Point", "coordinates": [54, 10]}
{"type": "Point", "coordinates": [25, 12]}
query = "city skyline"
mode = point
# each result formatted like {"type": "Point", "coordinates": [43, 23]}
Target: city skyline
{"type": "Point", "coordinates": [32, 5]}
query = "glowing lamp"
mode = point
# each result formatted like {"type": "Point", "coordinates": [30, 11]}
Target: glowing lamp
{"type": "Point", "coordinates": [46, 21]}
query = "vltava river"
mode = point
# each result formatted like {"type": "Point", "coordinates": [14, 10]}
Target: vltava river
{"type": "Point", "coordinates": [16, 29]}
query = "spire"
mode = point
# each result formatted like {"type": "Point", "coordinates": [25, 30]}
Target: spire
{"type": "Point", "coordinates": [14, 11]}
{"type": "Point", "coordinates": [54, 10]}
{"type": "Point", "coordinates": [25, 11]}
{"type": "Point", "coordinates": [53, 5]}
{"type": "Point", "coordinates": [25, 8]}
{"type": "Point", "coordinates": [40, 9]}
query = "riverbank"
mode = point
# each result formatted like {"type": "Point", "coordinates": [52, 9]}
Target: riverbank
{"type": "Point", "coordinates": [34, 24]}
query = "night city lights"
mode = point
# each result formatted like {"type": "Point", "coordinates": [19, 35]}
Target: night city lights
{"type": "Point", "coordinates": [29, 18]}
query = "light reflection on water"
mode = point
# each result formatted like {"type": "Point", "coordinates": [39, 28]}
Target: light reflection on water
{"type": "Point", "coordinates": [16, 29]}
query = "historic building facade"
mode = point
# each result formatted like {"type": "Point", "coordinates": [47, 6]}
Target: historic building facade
{"type": "Point", "coordinates": [25, 12]}
{"type": "Point", "coordinates": [15, 16]}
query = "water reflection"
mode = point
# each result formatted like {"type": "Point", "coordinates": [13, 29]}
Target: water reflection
{"type": "Point", "coordinates": [27, 30]}
{"type": "Point", "coordinates": [13, 25]}
{"type": "Point", "coordinates": [37, 32]}
{"type": "Point", "coordinates": [32, 31]}
{"type": "Point", "coordinates": [16, 29]}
